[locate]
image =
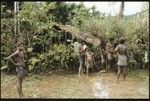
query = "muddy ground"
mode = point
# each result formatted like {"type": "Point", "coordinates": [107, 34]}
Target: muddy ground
{"type": "Point", "coordinates": [96, 85]}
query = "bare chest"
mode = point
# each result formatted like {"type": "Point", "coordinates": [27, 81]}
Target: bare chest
{"type": "Point", "coordinates": [20, 55]}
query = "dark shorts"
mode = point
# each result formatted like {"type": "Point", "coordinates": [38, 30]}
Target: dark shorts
{"type": "Point", "coordinates": [20, 70]}
{"type": "Point", "coordinates": [122, 68]}
{"type": "Point", "coordinates": [81, 59]}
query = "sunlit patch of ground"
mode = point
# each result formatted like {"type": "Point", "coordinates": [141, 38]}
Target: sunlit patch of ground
{"type": "Point", "coordinates": [96, 85]}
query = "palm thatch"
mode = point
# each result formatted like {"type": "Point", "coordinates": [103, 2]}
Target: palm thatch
{"type": "Point", "coordinates": [78, 34]}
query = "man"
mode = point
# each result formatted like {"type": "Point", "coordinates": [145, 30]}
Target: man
{"type": "Point", "coordinates": [20, 59]}
{"type": "Point", "coordinates": [80, 51]}
{"type": "Point", "coordinates": [109, 54]}
{"type": "Point", "coordinates": [89, 60]}
{"type": "Point", "coordinates": [121, 51]}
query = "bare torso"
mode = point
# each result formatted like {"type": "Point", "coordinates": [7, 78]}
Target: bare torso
{"type": "Point", "coordinates": [109, 50]}
{"type": "Point", "coordinates": [89, 57]}
{"type": "Point", "coordinates": [20, 58]}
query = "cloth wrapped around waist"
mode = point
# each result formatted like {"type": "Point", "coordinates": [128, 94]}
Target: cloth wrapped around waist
{"type": "Point", "coordinates": [122, 60]}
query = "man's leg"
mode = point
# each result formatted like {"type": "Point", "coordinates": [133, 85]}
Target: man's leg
{"type": "Point", "coordinates": [87, 69]}
{"type": "Point", "coordinates": [80, 67]}
{"type": "Point", "coordinates": [106, 63]}
{"type": "Point", "coordinates": [20, 80]}
{"type": "Point", "coordinates": [21, 75]}
{"type": "Point", "coordinates": [119, 72]}
{"type": "Point", "coordinates": [83, 65]}
{"type": "Point", "coordinates": [112, 65]}
{"type": "Point", "coordinates": [124, 72]}
{"type": "Point", "coordinates": [92, 67]}
{"type": "Point", "coordinates": [108, 66]}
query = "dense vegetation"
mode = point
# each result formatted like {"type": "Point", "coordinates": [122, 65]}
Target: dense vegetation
{"type": "Point", "coordinates": [48, 49]}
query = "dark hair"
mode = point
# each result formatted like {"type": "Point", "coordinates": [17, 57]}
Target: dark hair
{"type": "Point", "coordinates": [122, 41]}
{"type": "Point", "coordinates": [75, 39]}
{"type": "Point", "coordinates": [111, 39]}
{"type": "Point", "coordinates": [80, 41]}
{"type": "Point", "coordinates": [20, 43]}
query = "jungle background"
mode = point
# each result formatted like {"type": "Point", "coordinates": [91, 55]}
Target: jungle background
{"type": "Point", "coordinates": [48, 49]}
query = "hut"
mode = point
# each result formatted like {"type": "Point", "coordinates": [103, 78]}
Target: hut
{"type": "Point", "coordinates": [78, 34]}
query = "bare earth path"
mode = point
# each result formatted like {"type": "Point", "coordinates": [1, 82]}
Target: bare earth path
{"type": "Point", "coordinates": [97, 85]}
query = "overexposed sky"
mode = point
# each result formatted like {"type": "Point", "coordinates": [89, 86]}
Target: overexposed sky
{"type": "Point", "coordinates": [113, 8]}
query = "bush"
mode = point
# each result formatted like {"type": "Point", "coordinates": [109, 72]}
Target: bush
{"type": "Point", "coordinates": [57, 57]}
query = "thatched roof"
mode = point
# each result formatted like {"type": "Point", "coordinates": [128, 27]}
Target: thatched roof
{"type": "Point", "coordinates": [78, 34]}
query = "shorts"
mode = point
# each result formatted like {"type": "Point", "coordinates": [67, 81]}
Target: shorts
{"type": "Point", "coordinates": [122, 69]}
{"type": "Point", "coordinates": [122, 60]}
{"type": "Point", "coordinates": [20, 71]}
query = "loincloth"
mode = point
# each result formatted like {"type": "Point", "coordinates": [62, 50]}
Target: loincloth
{"type": "Point", "coordinates": [20, 70]}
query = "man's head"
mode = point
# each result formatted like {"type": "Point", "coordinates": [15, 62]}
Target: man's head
{"type": "Point", "coordinates": [82, 42]}
{"type": "Point", "coordinates": [111, 39]}
{"type": "Point", "coordinates": [74, 40]}
{"type": "Point", "coordinates": [79, 40]}
{"type": "Point", "coordinates": [122, 41]}
{"type": "Point", "coordinates": [20, 46]}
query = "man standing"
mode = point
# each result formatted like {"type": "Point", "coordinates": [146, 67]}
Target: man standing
{"type": "Point", "coordinates": [89, 60]}
{"type": "Point", "coordinates": [109, 54]}
{"type": "Point", "coordinates": [121, 51]}
{"type": "Point", "coordinates": [20, 59]}
{"type": "Point", "coordinates": [80, 51]}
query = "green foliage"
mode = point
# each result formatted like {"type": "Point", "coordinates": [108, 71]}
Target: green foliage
{"type": "Point", "coordinates": [56, 57]}
{"type": "Point", "coordinates": [36, 21]}
{"type": "Point", "coordinates": [95, 27]}
{"type": "Point", "coordinates": [7, 38]}
{"type": "Point", "coordinates": [139, 74]}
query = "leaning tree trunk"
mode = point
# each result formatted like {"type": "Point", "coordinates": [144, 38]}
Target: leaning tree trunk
{"type": "Point", "coordinates": [120, 15]}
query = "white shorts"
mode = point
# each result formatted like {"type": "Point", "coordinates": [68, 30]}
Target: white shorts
{"type": "Point", "coordinates": [122, 60]}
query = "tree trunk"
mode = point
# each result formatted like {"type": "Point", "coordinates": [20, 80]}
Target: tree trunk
{"type": "Point", "coordinates": [120, 15]}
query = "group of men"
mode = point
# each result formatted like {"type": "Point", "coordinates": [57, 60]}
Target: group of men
{"type": "Point", "coordinates": [86, 57]}
{"type": "Point", "coordinates": [119, 52]}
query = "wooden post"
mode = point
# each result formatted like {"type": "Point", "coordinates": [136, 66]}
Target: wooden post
{"type": "Point", "coordinates": [15, 19]}
{"type": "Point", "coordinates": [18, 22]}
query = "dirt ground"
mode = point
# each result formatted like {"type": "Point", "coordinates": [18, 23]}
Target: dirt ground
{"type": "Point", "coordinates": [96, 85]}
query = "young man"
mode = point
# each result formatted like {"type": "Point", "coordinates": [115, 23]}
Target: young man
{"type": "Point", "coordinates": [80, 51]}
{"type": "Point", "coordinates": [20, 59]}
{"type": "Point", "coordinates": [121, 51]}
{"type": "Point", "coordinates": [89, 60]}
{"type": "Point", "coordinates": [109, 54]}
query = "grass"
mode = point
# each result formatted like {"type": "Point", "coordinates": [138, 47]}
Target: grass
{"type": "Point", "coordinates": [139, 74]}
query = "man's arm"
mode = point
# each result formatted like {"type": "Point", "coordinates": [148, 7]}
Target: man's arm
{"type": "Point", "coordinates": [81, 49]}
{"type": "Point", "coordinates": [12, 55]}
{"type": "Point", "coordinates": [116, 50]}
{"type": "Point", "coordinates": [94, 63]}
{"type": "Point", "coordinates": [127, 54]}
{"type": "Point", "coordinates": [102, 58]}
{"type": "Point", "coordinates": [12, 61]}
